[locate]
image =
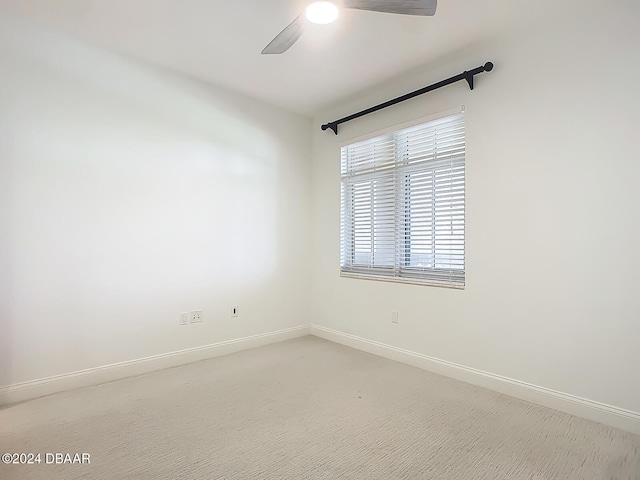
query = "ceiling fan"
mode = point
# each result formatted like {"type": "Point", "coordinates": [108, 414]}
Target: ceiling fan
{"type": "Point", "coordinates": [323, 12]}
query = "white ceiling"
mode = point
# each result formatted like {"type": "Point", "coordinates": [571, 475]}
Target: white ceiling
{"type": "Point", "coordinates": [220, 41]}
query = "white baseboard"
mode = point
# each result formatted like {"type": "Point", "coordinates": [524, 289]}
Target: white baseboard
{"type": "Point", "coordinates": [606, 414]}
{"type": "Point", "coordinates": [93, 376]}
{"type": "Point", "coordinates": [580, 407]}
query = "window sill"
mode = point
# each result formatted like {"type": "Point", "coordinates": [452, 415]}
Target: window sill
{"type": "Point", "coordinates": [410, 281]}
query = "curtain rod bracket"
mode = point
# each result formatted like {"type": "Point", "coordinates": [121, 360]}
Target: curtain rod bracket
{"type": "Point", "coordinates": [469, 78]}
{"type": "Point", "coordinates": [332, 125]}
{"type": "Point", "coordinates": [466, 75]}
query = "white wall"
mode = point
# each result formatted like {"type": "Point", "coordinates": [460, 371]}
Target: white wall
{"type": "Point", "coordinates": [129, 194]}
{"type": "Point", "coordinates": [552, 295]}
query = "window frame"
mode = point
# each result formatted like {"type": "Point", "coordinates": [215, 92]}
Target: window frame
{"type": "Point", "coordinates": [402, 174]}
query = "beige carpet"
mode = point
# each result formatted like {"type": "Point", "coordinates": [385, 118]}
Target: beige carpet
{"type": "Point", "coordinates": [307, 409]}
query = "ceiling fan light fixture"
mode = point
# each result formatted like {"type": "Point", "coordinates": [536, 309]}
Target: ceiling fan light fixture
{"type": "Point", "coordinates": [322, 13]}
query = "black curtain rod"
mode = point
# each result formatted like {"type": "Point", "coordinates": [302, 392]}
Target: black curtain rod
{"type": "Point", "coordinates": [466, 75]}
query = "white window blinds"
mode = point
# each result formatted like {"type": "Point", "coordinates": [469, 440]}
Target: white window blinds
{"type": "Point", "coordinates": [402, 204]}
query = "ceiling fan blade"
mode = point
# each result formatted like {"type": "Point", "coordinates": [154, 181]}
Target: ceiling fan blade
{"type": "Point", "coordinates": [286, 38]}
{"type": "Point", "coordinates": [404, 7]}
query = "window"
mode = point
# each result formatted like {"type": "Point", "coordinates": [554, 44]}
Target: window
{"type": "Point", "coordinates": [402, 205]}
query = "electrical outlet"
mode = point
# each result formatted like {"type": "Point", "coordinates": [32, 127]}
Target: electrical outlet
{"type": "Point", "coordinates": [196, 316]}
{"type": "Point", "coordinates": [184, 318]}
{"type": "Point", "coordinates": [394, 317]}
{"type": "Point", "coordinates": [234, 311]}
